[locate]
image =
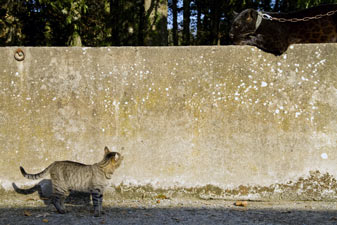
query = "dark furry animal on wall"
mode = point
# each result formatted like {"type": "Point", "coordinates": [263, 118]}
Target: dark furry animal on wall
{"type": "Point", "coordinates": [274, 32]}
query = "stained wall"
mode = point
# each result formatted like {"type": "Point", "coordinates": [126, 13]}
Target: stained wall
{"type": "Point", "coordinates": [227, 122]}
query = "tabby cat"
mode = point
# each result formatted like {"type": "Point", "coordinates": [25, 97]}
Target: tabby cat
{"type": "Point", "coordinates": [69, 176]}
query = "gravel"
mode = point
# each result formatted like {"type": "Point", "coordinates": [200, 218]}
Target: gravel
{"type": "Point", "coordinates": [32, 210]}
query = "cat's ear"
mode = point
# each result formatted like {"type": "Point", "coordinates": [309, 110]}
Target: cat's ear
{"type": "Point", "coordinates": [251, 15]}
{"type": "Point", "coordinates": [106, 150]}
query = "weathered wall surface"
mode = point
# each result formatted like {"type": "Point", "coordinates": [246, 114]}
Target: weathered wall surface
{"type": "Point", "coordinates": [226, 122]}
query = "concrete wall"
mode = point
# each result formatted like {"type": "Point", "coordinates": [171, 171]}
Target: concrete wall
{"type": "Point", "coordinates": [222, 122]}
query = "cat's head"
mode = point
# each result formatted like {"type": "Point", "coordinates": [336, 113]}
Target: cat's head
{"type": "Point", "coordinates": [244, 25]}
{"type": "Point", "coordinates": [110, 162]}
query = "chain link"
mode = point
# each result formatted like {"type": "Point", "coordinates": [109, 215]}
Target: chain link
{"type": "Point", "coordinates": [294, 20]}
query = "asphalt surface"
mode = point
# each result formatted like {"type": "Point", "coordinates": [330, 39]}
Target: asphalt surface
{"type": "Point", "coordinates": [32, 210]}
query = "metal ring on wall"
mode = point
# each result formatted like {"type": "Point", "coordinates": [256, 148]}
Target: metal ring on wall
{"type": "Point", "coordinates": [19, 55]}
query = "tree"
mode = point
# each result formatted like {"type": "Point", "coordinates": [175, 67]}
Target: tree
{"type": "Point", "coordinates": [127, 22]}
{"type": "Point", "coordinates": [156, 18]}
{"type": "Point", "coordinates": [186, 22]}
{"type": "Point", "coordinates": [175, 22]}
{"type": "Point", "coordinates": [10, 23]}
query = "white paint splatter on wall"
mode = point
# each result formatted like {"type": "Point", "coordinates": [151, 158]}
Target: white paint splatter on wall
{"type": "Point", "coordinates": [324, 156]}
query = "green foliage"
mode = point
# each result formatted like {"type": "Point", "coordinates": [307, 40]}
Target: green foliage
{"type": "Point", "coordinates": [127, 22]}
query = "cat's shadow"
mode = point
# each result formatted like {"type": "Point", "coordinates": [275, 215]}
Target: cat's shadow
{"type": "Point", "coordinates": [44, 189]}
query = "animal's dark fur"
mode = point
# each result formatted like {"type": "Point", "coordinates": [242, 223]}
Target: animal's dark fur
{"type": "Point", "coordinates": [275, 37]}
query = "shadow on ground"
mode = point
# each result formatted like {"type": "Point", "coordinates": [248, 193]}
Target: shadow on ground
{"type": "Point", "coordinates": [44, 190]}
{"type": "Point", "coordinates": [175, 215]}
{"type": "Point", "coordinates": [20, 209]}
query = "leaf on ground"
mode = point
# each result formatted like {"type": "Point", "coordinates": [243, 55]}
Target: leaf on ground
{"type": "Point", "coordinates": [241, 203]}
{"type": "Point", "coordinates": [176, 219]}
{"type": "Point", "coordinates": [27, 213]}
{"type": "Point", "coordinates": [45, 221]}
{"type": "Point", "coordinates": [161, 196]}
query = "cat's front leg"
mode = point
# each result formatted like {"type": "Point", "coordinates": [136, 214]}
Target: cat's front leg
{"type": "Point", "coordinates": [274, 44]}
{"type": "Point", "coordinates": [97, 199]}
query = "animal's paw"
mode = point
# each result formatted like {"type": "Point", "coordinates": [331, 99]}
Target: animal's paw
{"type": "Point", "coordinates": [62, 211]}
{"type": "Point", "coordinates": [97, 213]}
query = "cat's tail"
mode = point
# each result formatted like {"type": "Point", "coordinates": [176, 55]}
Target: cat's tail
{"type": "Point", "coordinates": [35, 176]}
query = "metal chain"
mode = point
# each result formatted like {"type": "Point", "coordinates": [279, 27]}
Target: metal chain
{"type": "Point", "coordinates": [294, 20]}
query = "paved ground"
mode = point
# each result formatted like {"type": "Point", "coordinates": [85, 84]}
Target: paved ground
{"type": "Point", "coordinates": [32, 210]}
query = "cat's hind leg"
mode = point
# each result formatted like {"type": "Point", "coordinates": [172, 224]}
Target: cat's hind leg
{"type": "Point", "coordinates": [58, 202]}
{"type": "Point", "coordinates": [58, 198]}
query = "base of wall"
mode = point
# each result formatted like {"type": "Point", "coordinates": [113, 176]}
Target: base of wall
{"type": "Point", "coordinates": [315, 187]}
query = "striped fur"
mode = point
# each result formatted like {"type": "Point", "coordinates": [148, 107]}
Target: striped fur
{"type": "Point", "coordinates": [69, 176]}
{"type": "Point", "coordinates": [35, 176]}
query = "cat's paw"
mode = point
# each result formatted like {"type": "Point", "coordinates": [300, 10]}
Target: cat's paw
{"type": "Point", "coordinates": [97, 214]}
{"type": "Point", "coordinates": [62, 211]}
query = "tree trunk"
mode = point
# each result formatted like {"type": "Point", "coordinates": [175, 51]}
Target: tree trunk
{"type": "Point", "coordinates": [142, 23]}
{"type": "Point", "coordinates": [215, 15]}
{"type": "Point", "coordinates": [175, 22]}
{"type": "Point", "coordinates": [277, 7]}
{"type": "Point", "coordinates": [156, 17]}
{"type": "Point", "coordinates": [75, 18]}
{"type": "Point", "coordinates": [199, 24]}
{"type": "Point", "coordinates": [266, 5]}
{"type": "Point", "coordinates": [115, 9]}
{"type": "Point", "coordinates": [186, 22]}
{"type": "Point", "coordinates": [75, 39]}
